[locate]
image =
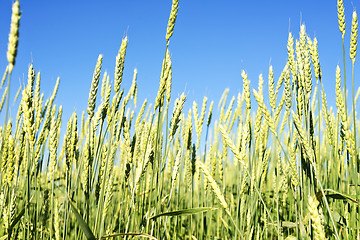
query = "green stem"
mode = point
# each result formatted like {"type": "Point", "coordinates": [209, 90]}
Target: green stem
{"type": "Point", "coordinates": [344, 76]}
{"type": "Point", "coordinates": [355, 149]}
{"type": "Point", "coordinates": [7, 98]}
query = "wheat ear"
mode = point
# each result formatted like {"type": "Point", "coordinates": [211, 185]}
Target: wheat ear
{"type": "Point", "coordinates": [13, 35]}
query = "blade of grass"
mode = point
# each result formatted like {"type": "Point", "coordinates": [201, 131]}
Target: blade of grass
{"type": "Point", "coordinates": [129, 234]}
{"type": "Point", "coordinates": [184, 212]}
{"type": "Point", "coordinates": [86, 229]}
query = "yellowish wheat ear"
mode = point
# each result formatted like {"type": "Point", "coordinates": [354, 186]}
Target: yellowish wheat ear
{"type": "Point", "coordinates": [13, 35]}
{"type": "Point", "coordinates": [316, 218]}
{"type": "Point", "coordinates": [315, 58]}
{"type": "Point", "coordinates": [264, 110]}
{"type": "Point", "coordinates": [172, 19]}
{"type": "Point", "coordinates": [272, 94]}
{"type": "Point", "coordinates": [213, 184]}
{"type": "Point", "coordinates": [119, 65]}
{"type": "Point", "coordinates": [291, 55]}
{"type": "Point", "coordinates": [354, 33]}
{"type": "Point", "coordinates": [165, 77]}
{"type": "Point", "coordinates": [303, 138]}
{"type": "Point", "coordinates": [339, 96]}
{"type": "Point", "coordinates": [179, 103]}
{"type": "Point", "coordinates": [287, 88]}
{"type": "Point", "coordinates": [341, 17]}
{"type": "Point", "coordinates": [246, 90]}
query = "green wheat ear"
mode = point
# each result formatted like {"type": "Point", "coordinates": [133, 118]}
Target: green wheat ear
{"type": "Point", "coordinates": [94, 87]}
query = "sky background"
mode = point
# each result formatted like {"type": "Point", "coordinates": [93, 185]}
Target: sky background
{"type": "Point", "coordinates": [213, 42]}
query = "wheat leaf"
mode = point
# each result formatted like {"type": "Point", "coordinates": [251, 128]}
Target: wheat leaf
{"type": "Point", "coordinates": [184, 212]}
{"type": "Point", "coordinates": [86, 229]}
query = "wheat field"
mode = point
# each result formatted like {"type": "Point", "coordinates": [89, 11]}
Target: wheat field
{"type": "Point", "coordinates": [286, 167]}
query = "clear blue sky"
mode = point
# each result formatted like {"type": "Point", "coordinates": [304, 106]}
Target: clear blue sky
{"type": "Point", "coordinates": [212, 42]}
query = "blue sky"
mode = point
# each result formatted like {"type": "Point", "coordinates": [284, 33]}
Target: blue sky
{"type": "Point", "coordinates": [212, 42]}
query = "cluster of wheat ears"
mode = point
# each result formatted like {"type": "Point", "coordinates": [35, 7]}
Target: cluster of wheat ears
{"type": "Point", "coordinates": [289, 170]}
